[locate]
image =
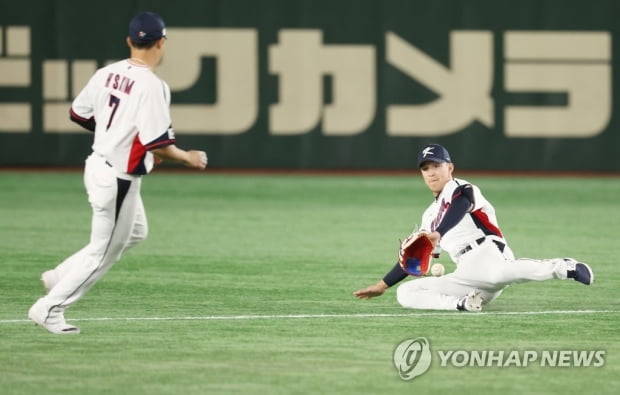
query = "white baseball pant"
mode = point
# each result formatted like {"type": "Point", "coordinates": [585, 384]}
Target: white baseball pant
{"type": "Point", "coordinates": [484, 268]}
{"type": "Point", "coordinates": [118, 223]}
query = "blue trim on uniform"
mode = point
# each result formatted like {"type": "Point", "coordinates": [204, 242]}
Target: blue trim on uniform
{"type": "Point", "coordinates": [122, 189]}
{"type": "Point", "coordinates": [467, 190]}
{"type": "Point", "coordinates": [459, 207]}
{"type": "Point", "coordinates": [161, 141]}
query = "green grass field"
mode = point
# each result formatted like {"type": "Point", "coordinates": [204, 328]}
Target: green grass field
{"type": "Point", "coordinates": [245, 286]}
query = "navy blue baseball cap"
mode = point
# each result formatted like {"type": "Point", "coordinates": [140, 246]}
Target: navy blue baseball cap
{"type": "Point", "coordinates": [146, 27]}
{"type": "Point", "coordinates": [433, 153]}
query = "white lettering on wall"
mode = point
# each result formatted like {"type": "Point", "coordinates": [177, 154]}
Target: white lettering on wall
{"type": "Point", "coordinates": [301, 60]}
{"type": "Point", "coordinates": [464, 88]}
{"type": "Point", "coordinates": [576, 65]}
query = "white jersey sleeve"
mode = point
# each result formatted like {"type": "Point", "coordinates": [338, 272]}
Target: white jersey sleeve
{"type": "Point", "coordinates": [82, 106]}
{"type": "Point", "coordinates": [131, 107]}
{"type": "Point", "coordinates": [478, 222]}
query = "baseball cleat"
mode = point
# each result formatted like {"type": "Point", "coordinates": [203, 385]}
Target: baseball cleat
{"type": "Point", "coordinates": [471, 302]}
{"type": "Point", "coordinates": [49, 279]}
{"type": "Point", "coordinates": [53, 320]}
{"type": "Point", "coordinates": [579, 271]}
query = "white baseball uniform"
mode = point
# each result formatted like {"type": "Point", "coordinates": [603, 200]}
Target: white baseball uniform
{"type": "Point", "coordinates": [483, 259]}
{"type": "Point", "coordinates": [131, 107]}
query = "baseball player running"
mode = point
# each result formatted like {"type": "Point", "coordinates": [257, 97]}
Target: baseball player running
{"type": "Point", "coordinates": [462, 222]}
{"type": "Point", "coordinates": [127, 107]}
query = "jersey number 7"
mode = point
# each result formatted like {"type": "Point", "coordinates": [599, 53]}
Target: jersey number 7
{"type": "Point", "coordinates": [114, 102]}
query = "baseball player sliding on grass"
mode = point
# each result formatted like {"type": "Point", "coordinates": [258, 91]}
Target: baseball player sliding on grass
{"type": "Point", "coordinates": [127, 107]}
{"type": "Point", "coordinates": [462, 222]}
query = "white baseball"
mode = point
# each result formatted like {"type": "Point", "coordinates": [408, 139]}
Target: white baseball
{"type": "Point", "coordinates": [437, 269]}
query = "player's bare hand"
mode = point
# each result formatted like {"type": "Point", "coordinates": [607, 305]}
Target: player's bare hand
{"type": "Point", "coordinates": [197, 159]}
{"type": "Point", "coordinates": [372, 291]}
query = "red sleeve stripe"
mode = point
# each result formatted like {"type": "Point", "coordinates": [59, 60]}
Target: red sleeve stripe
{"type": "Point", "coordinates": [483, 222]}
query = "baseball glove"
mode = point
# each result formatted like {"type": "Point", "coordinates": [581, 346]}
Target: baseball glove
{"type": "Point", "coordinates": [415, 254]}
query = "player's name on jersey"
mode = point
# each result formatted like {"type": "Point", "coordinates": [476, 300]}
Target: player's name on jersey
{"type": "Point", "coordinates": [119, 82]}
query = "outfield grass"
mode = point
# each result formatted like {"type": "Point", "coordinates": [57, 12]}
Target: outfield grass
{"type": "Point", "coordinates": [251, 277]}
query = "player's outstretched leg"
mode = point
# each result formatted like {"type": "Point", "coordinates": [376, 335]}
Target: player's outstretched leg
{"type": "Point", "coordinates": [527, 269]}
